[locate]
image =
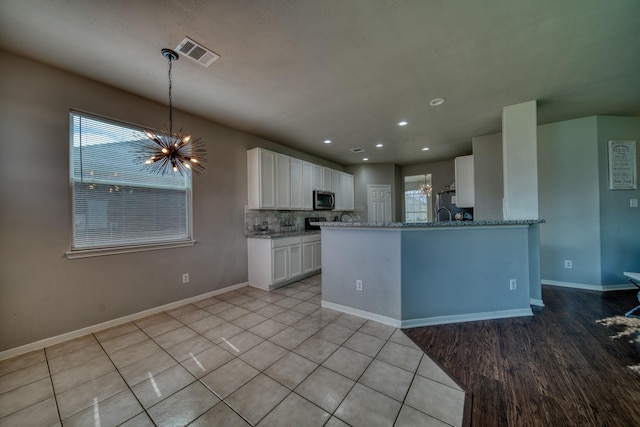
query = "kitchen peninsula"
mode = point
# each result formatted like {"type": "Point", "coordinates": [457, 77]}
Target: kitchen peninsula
{"type": "Point", "coordinates": [416, 274]}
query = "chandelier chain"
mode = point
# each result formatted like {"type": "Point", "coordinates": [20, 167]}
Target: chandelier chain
{"type": "Point", "coordinates": [170, 99]}
{"type": "Point", "coordinates": [166, 152]}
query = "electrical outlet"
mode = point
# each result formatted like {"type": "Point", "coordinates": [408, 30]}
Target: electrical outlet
{"type": "Point", "coordinates": [358, 285]}
{"type": "Point", "coordinates": [185, 278]}
{"type": "Point", "coordinates": [633, 203]}
{"type": "Point", "coordinates": [513, 284]}
{"type": "Point", "coordinates": [568, 263]}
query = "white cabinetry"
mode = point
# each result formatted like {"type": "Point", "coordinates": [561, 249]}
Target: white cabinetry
{"type": "Point", "coordinates": [296, 184]}
{"type": "Point", "coordinates": [344, 191]}
{"type": "Point", "coordinates": [326, 179]}
{"type": "Point", "coordinates": [348, 188]}
{"type": "Point", "coordinates": [280, 264]}
{"type": "Point", "coordinates": [286, 259]}
{"type": "Point", "coordinates": [295, 260]}
{"type": "Point", "coordinates": [307, 257]}
{"type": "Point", "coordinates": [465, 188]}
{"type": "Point", "coordinates": [275, 262]}
{"type": "Point", "coordinates": [317, 255]}
{"type": "Point", "coordinates": [307, 185]}
{"type": "Point", "coordinates": [311, 254]}
{"type": "Point", "coordinates": [277, 181]}
{"type": "Point", "coordinates": [318, 178]}
{"type": "Point", "coordinates": [261, 177]}
{"type": "Point", "coordinates": [335, 184]}
{"type": "Point", "coordinates": [283, 181]}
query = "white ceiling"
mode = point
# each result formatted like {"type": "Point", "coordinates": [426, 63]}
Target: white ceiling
{"type": "Point", "coordinates": [302, 71]}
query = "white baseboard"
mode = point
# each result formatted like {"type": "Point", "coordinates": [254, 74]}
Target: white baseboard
{"type": "Point", "coordinates": [471, 317]}
{"type": "Point", "coordinates": [600, 288]}
{"type": "Point", "coordinates": [440, 320]}
{"type": "Point", "coordinates": [364, 314]}
{"type": "Point", "coordinates": [536, 302]}
{"type": "Point", "coordinates": [17, 351]}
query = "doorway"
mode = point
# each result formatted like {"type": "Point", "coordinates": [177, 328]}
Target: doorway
{"type": "Point", "coordinates": [379, 203]}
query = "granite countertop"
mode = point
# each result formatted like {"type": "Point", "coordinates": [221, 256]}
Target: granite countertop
{"type": "Point", "coordinates": [283, 234]}
{"type": "Point", "coordinates": [429, 224]}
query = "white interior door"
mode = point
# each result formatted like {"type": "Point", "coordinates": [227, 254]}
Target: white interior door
{"type": "Point", "coordinates": [379, 203]}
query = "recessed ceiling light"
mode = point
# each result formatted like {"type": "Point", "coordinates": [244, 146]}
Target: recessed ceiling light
{"type": "Point", "coordinates": [365, 159]}
{"type": "Point", "coordinates": [379, 145]}
{"type": "Point", "coordinates": [437, 101]}
{"type": "Point", "coordinates": [402, 123]}
{"type": "Point", "coordinates": [327, 141]}
{"type": "Point", "coordinates": [425, 148]}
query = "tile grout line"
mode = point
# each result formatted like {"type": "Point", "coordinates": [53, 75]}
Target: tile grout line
{"type": "Point", "coordinates": [125, 381]}
{"type": "Point", "coordinates": [291, 391]}
{"type": "Point", "coordinates": [262, 371]}
{"type": "Point", "coordinates": [53, 390]}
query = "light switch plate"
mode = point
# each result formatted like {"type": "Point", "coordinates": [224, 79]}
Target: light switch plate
{"type": "Point", "coordinates": [633, 203]}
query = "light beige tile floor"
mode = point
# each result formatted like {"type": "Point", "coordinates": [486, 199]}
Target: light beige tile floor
{"type": "Point", "coordinates": [245, 357]}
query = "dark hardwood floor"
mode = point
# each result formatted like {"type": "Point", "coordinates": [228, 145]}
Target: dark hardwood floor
{"type": "Point", "coordinates": [576, 362]}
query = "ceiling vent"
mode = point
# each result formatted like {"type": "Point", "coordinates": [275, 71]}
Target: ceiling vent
{"type": "Point", "coordinates": [197, 52]}
{"type": "Point", "coordinates": [357, 150]}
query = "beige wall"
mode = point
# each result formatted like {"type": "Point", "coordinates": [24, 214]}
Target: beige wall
{"type": "Point", "coordinates": [43, 294]}
{"type": "Point", "coordinates": [377, 174]}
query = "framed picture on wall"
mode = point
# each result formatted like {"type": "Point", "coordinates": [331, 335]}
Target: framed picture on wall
{"type": "Point", "coordinates": [622, 165]}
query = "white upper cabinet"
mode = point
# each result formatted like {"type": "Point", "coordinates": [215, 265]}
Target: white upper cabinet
{"type": "Point", "coordinates": [283, 181]}
{"type": "Point", "coordinates": [296, 184]}
{"type": "Point", "coordinates": [261, 167]}
{"type": "Point", "coordinates": [343, 187]}
{"type": "Point", "coordinates": [347, 188]}
{"type": "Point", "coordinates": [318, 178]}
{"type": "Point", "coordinates": [277, 181]}
{"type": "Point", "coordinates": [326, 179]}
{"type": "Point", "coordinates": [465, 188]}
{"type": "Point", "coordinates": [307, 185]}
{"type": "Point", "coordinates": [335, 184]}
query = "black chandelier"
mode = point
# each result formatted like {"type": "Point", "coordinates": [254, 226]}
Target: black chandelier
{"type": "Point", "coordinates": [167, 152]}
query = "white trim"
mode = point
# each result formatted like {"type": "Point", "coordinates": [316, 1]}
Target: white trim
{"type": "Point", "coordinates": [439, 320]}
{"type": "Point", "coordinates": [88, 253]}
{"type": "Point", "coordinates": [600, 288]}
{"type": "Point", "coordinates": [471, 317]}
{"type": "Point", "coordinates": [536, 301]}
{"type": "Point", "coordinates": [361, 313]}
{"type": "Point", "coordinates": [111, 323]}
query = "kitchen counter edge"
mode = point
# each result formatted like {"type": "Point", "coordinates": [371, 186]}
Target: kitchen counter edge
{"type": "Point", "coordinates": [283, 235]}
{"type": "Point", "coordinates": [429, 224]}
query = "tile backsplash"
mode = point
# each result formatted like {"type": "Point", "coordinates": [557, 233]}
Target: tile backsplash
{"type": "Point", "coordinates": [283, 221]}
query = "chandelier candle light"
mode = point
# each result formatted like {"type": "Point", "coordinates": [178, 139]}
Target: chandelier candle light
{"type": "Point", "coordinates": [425, 189]}
{"type": "Point", "coordinates": [166, 152]}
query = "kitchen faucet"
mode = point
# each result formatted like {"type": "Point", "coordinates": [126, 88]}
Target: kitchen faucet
{"type": "Point", "coordinates": [438, 213]}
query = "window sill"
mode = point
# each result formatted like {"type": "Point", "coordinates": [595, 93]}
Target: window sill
{"type": "Point", "coordinates": [88, 253]}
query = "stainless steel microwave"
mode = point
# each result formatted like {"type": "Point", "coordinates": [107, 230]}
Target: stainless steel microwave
{"type": "Point", "coordinates": [323, 200]}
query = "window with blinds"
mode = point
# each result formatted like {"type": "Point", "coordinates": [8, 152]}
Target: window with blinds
{"type": "Point", "coordinates": [116, 202]}
{"type": "Point", "coordinates": [415, 206]}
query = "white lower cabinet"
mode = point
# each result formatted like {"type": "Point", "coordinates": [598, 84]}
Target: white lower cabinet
{"type": "Point", "coordinates": [295, 261]}
{"type": "Point", "coordinates": [280, 264]}
{"type": "Point", "coordinates": [317, 255]}
{"type": "Point", "coordinates": [307, 257]}
{"type": "Point", "coordinates": [311, 254]}
{"type": "Point", "coordinates": [278, 261]}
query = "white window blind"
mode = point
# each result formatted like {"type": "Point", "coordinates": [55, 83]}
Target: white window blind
{"type": "Point", "coordinates": [415, 206]}
{"type": "Point", "coordinates": [115, 201]}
